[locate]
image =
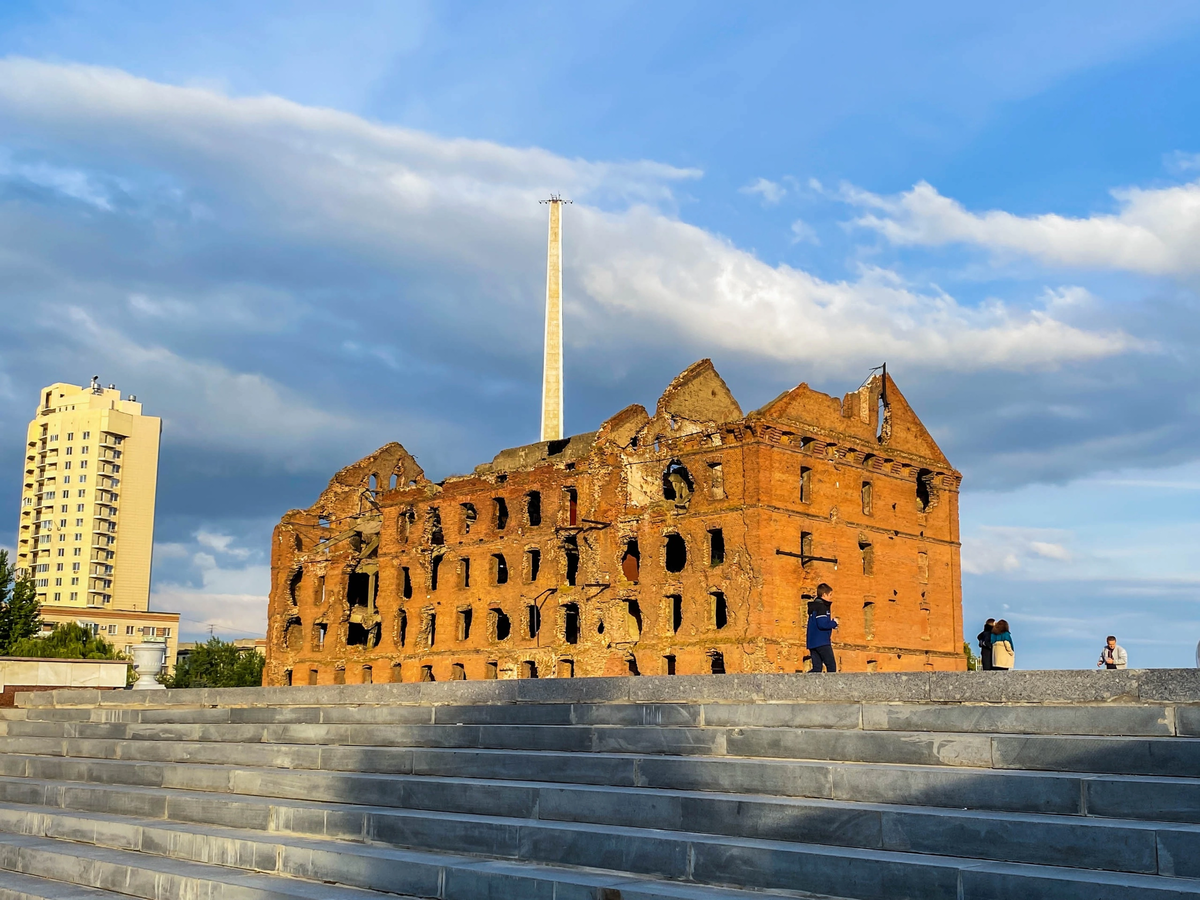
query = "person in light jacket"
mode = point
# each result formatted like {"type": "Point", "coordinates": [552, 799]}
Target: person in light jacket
{"type": "Point", "coordinates": [1112, 656]}
{"type": "Point", "coordinates": [1003, 655]}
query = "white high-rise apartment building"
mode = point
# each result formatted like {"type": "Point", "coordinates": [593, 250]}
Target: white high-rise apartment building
{"type": "Point", "coordinates": [86, 532]}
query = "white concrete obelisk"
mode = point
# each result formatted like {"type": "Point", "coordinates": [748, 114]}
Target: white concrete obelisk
{"type": "Point", "coordinates": [552, 371]}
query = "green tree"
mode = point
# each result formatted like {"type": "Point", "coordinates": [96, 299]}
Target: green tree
{"type": "Point", "coordinates": [68, 640]}
{"type": "Point", "coordinates": [217, 664]}
{"type": "Point", "coordinates": [19, 609]}
{"type": "Point", "coordinates": [972, 660]}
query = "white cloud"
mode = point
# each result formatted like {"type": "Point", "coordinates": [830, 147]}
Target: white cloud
{"type": "Point", "coordinates": [1155, 232]}
{"type": "Point", "coordinates": [802, 232]}
{"type": "Point", "coordinates": [221, 543]}
{"type": "Point", "coordinates": [1007, 549]}
{"type": "Point", "coordinates": [771, 192]}
{"type": "Point", "coordinates": [429, 207]}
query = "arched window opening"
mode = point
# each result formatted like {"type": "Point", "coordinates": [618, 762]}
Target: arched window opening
{"type": "Point", "coordinates": [491, 670]}
{"type": "Point", "coordinates": [393, 481]}
{"type": "Point", "coordinates": [320, 630]}
{"type": "Point", "coordinates": [716, 662]}
{"type": "Point", "coordinates": [533, 620]}
{"type": "Point", "coordinates": [405, 583]}
{"type": "Point", "coordinates": [631, 560]}
{"type": "Point", "coordinates": [631, 666]}
{"type": "Point", "coordinates": [435, 565]}
{"type": "Point", "coordinates": [716, 547]}
{"type": "Point", "coordinates": [924, 492]}
{"type": "Point", "coordinates": [468, 516]}
{"type": "Point", "coordinates": [571, 506]}
{"type": "Point", "coordinates": [499, 569]}
{"type": "Point", "coordinates": [869, 620]}
{"type": "Point", "coordinates": [867, 552]}
{"type": "Point", "coordinates": [570, 612]}
{"type": "Point", "coordinates": [866, 498]}
{"type": "Point", "coordinates": [533, 508]}
{"type": "Point", "coordinates": [805, 484]}
{"type": "Point", "coordinates": [368, 675]}
{"type": "Point", "coordinates": [499, 513]}
{"type": "Point", "coordinates": [427, 635]}
{"type": "Point", "coordinates": [675, 555]}
{"type": "Point", "coordinates": [677, 483]}
{"type": "Point", "coordinates": [436, 536]}
{"type": "Point", "coordinates": [716, 481]}
{"type": "Point", "coordinates": [571, 554]}
{"type": "Point", "coordinates": [358, 589]}
{"type": "Point", "coordinates": [463, 624]}
{"type": "Point", "coordinates": [397, 674]}
{"type": "Point", "coordinates": [633, 620]}
{"type": "Point", "coordinates": [293, 633]}
{"type": "Point", "coordinates": [676, 602]}
{"type": "Point", "coordinates": [533, 564]}
{"type": "Point", "coordinates": [499, 625]}
{"type": "Point", "coordinates": [401, 628]}
{"type": "Point", "coordinates": [720, 610]}
{"type": "Point", "coordinates": [313, 674]}
{"type": "Point", "coordinates": [458, 672]}
{"type": "Point", "coordinates": [566, 668]}
{"type": "Point", "coordinates": [427, 673]}
{"type": "Point", "coordinates": [339, 675]}
{"type": "Point", "coordinates": [529, 669]}
{"type": "Point", "coordinates": [294, 586]}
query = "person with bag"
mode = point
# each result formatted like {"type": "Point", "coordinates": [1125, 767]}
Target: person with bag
{"type": "Point", "coordinates": [1003, 655]}
{"type": "Point", "coordinates": [984, 639]}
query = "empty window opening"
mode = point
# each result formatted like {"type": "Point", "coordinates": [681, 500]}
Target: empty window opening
{"type": "Point", "coordinates": [633, 620]}
{"type": "Point", "coordinates": [469, 515]}
{"type": "Point", "coordinates": [923, 567]}
{"type": "Point", "coordinates": [319, 632]}
{"type": "Point", "coordinates": [869, 620]}
{"type": "Point", "coordinates": [339, 675]}
{"type": "Point", "coordinates": [529, 669]}
{"type": "Point", "coordinates": [599, 626]}
{"type": "Point", "coordinates": [716, 547]}
{"type": "Point", "coordinates": [716, 662]}
{"type": "Point", "coordinates": [677, 483]}
{"type": "Point", "coordinates": [631, 560]}
{"type": "Point", "coordinates": [428, 633]}
{"type": "Point", "coordinates": [293, 636]}
{"type": "Point", "coordinates": [570, 613]}
{"type": "Point", "coordinates": [405, 583]}
{"type": "Point", "coordinates": [924, 495]}
{"type": "Point", "coordinates": [294, 586]}
{"type": "Point", "coordinates": [464, 573]}
{"type": "Point", "coordinates": [499, 513]}
{"type": "Point", "coordinates": [805, 484]}
{"type": "Point", "coordinates": [404, 524]}
{"type": "Point", "coordinates": [533, 508]}
{"type": "Point", "coordinates": [533, 564]}
{"type": "Point", "coordinates": [499, 569]}
{"type": "Point", "coordinates": [571, 553]}
{"type": "Point", "coordinates": [566, 668]}
{"type": "Point", "coordinates": [358, 589]}
{"type": "Point", "coordinates": [458, 672]}
{"type": "Point", "coordinates": [669, 664]}
{"type": "Point", "coordinates": [571, 504]}
{"type": "Point", "coordinates": [368, 675]}
{"type": "Point", "coordinates": [436, 536]}
{"type": "Point", "coordinates": [872, 665]}
{"type": "Point", "coordinates": [866, 498]}
{"type": "Point", "coordinates": [491, 670]}
{"type": "Point", "coordinates": [427, 673]}
{"type": "Point", "coordinates": [675, 555]}
{"type": "Point", "coordinates": [312, 676]}
{"type": "Point", "coordinates": [393, 481]}
{"type": "Point", "coordinates": [868, 557]}
{"type": "Point", "coordinates": [553, 448]}
{"type": "Point", "coordinates": [361, 636]}
{"type": "Point", "coordinates": [401, 628]}
{"type": "Point", "coordinates": [463, 630]}
{"type": "Point", "coordinates": [716, 481]}
{"type": "Point", "coordinates": [320, 592]}
{"type": "Point", "coordinates": [720, 610]}
{"type": "Point", "coordinates": [631, 666]}
{"type": "Point", "coordinates": [397, 674]}
{"type": "Point", "coordinates": [533, 620]}
{"type": "Point", "coordinates": [924, 623]}
{"type": "Point", "coordinates": [499, 625]}
{"type": "Point", "coordinates": [287, 677]}
{"type": "Point", "coordinates": [435, 563]}
{"type": "Point", "coordinates": [676, 601]}
{"type": "Point", "coordinates": [806, 548]}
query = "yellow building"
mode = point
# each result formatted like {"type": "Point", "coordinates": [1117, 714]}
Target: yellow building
{"type": "Point", "coordinates": [86, 534]}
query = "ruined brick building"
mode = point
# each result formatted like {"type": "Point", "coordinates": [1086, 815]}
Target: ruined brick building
{"type": "Point", "coordinates": [683, 542]}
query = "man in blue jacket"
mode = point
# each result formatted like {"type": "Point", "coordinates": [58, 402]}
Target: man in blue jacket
{"type": "Point", "coordinates": [820, 631]}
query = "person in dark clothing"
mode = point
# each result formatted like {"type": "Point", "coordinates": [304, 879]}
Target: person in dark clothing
{"type": "Point", "coordinates": [984, 639]}
{"type": "Point", "coordinates": [820, 631]}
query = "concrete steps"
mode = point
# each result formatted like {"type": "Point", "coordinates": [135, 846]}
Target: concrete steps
{"type": "Point", "coordinates": [578, 790]}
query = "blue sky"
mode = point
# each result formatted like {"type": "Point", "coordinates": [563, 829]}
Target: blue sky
{"type": "Point", "coordinates": [299, 231]}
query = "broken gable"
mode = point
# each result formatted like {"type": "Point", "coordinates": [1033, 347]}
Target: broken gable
{"type": "Point", "coordinates": [391, 467]}
{"type": "Point", "coordinates": [700, 394]}
{"type": "Point", "coordinates": [906, 431]}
